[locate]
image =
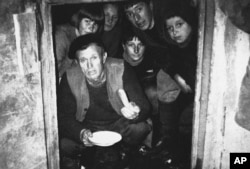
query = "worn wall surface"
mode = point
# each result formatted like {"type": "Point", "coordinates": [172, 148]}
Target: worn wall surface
{"type": "Point", "coordinates": [22, 137]}
{"type": "Point", "coordinates": [230, 56]}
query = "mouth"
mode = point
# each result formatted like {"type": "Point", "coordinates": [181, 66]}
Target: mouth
{"type": "Point", "coordinates": [140, 24]}
{"type": "Point", "coordinates": [177, 38]}
{"type": "Point", "coordinates": [108, 26]}
{"type": "Point", "coordinates": [91, 72]}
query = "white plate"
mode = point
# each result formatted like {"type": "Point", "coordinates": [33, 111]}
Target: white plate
{"type": "Point", "coordinates": [105, 138]}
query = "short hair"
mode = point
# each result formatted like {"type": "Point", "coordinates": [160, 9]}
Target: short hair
{"type": "Point", "coordinates": [91, 11]}
{"type": "Point", "coordinates": [83, 42]}
{"type": "Point", "coordinates": [130, 3]}
{"type": "Point", "coordinates": [128, 35]}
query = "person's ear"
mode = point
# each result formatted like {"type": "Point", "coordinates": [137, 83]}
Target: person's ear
{"type": "Point", "coordinates": [104, 57]}
{"type": "Point", "coordinates": [123, 46]}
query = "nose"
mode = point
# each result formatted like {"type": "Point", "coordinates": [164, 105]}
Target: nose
{"type": "Point", "coordinates": [109, 19]}
{"type": "Point", "coordinates": [175, 31]}
{"type": "Point", "coordinates": [92, 23]}
{"type": "Point", "coordinates": [89, 65]}
{"type": "Point", "coordinates": [136, 49]}
{"type": "Point", "coordinates": [137, 17]}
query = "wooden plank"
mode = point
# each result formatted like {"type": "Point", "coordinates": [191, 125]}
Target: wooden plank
{"type": "Point", "coordinates": [197, 105]}
{"type": "Point", "coordinates": [203, 81]}
{"type": "Point", "coordinates": [26, 42]}
{"type": "Point", "coordinates": [49, 87]}
{"type": "Point", "coordinates": [57, 2]}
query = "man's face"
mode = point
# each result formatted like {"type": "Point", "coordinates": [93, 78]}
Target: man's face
{"type": "Point", "coordinates": [140, 15]}
{"type": "Point", "coordinates": [134, 49]}
{"type": "Point", "coordinates": [111, 16]}
{"type": "Point", "coordinates": [87, 26]}
{"type": "Point", "coordinates": [178, 29]}
{"type": "Point", "coordinates": [91, 61]}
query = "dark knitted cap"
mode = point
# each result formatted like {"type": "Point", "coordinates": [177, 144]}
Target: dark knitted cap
{"type": "Point", "coordinates": [82, 42]}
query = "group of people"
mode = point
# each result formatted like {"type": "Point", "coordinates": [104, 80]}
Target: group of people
{"type": "Point", "coordinates": [144, 48]}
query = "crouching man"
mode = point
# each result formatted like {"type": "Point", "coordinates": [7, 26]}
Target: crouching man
{"type": "Point", "coordinates": [89, 101]}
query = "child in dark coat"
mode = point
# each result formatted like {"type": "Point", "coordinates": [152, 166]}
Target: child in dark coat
{"type": "Point", "coordinates": [179, 29]}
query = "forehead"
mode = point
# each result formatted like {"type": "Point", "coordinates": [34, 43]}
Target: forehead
{"type": "Point", "coordinates": [174, 19]}
{"type": "Point", "coordinates": [135, 39]}
{"type": "Point", "coordinates": [110, 8]}
{"type": "Point", "coordinates": [91, 50]}
{"type": "Point", "coordinates": [85, 19]}
{"type": "Point", "coordinates": [136, 5]}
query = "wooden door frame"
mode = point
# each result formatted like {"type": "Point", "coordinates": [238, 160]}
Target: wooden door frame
{"type": "Point", "coordinates": [205, 42]}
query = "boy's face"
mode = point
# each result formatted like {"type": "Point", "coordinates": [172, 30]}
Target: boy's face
{"type": "Point", "coordinates": [111, 16]}
{"type": "Point", "coordinates": [92, 61]}
{"type": "Point", "coordinates": [134, 49]}
{"type": "Point", "coordinates": [140, 15]}
{"type": "Point", "coordinates": [178, 29]}
{"type": "Point", "coordinates": [87, 26]}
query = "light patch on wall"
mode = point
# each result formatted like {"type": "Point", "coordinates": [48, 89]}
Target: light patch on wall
{"type": "Point", "coordinates": [26, 42]}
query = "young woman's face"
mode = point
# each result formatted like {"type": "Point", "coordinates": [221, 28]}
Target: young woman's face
{"type": "Point", "coordinates": [140, 15]}
{"type": "Point", "coordinates": [134, 49]}
{"type": "Point", "coordinates": [178, 29]}
{"type": "Point", "coordinates": [111, 16]}
{"type": "Point", "coordinates": [87, 26]}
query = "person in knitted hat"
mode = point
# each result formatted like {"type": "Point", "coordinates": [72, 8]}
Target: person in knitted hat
{"type": "Point", "coordinates": [89, 100]}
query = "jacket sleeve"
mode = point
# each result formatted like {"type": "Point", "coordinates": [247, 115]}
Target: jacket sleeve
{"type": "Point", "coordinates": [68, 125]}
{"type": "Point", "coordinates": [135, 93]}
{"type": "Point", "coordinates": [62, 43]}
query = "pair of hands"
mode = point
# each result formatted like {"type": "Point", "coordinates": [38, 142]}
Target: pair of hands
{"type": "Point", "coordinates": [129, 111]}
{"type": "Point", "coordinates": [84, 137]}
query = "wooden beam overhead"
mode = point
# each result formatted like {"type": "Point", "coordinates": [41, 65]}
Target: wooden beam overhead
{"type": "Point", "coordinates": [58, 2]}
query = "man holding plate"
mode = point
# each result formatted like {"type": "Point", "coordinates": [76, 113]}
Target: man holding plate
{"type": "Point", "coordinates": [99, 94]}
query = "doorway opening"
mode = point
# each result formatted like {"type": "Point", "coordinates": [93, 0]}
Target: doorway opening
{"type": "Point", "coordinates": [52, 14]}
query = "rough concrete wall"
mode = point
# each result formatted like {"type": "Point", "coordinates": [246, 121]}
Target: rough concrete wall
{"type": "Point", "coordinates": [22, 139]}
{"type": "Point", "coordinates": [238, 12]}
{"type": "Point", "coordinates": [230, 55]}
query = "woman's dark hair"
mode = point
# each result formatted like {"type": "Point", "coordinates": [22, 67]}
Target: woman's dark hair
{"type": "Point", "coordinates": [83, 42]}
{"type": "Point", "coordinates": [91, 11]}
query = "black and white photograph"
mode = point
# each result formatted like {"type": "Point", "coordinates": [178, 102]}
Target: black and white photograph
{"type": "Point", "coordinates": [125, 84]}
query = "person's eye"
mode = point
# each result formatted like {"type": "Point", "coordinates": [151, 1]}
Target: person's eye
{"type": "Point", "coordinates": [130, 44]}
{"type": "Point", "coordinates": [129, 14]}
{"type": "Point", "coordinates": [138, 9]}
{"type": "Point", "coordinates": [170, 29]}
{"type": "Point", "coordinates": [179, 24]}
{"type": "Point", "coordinates": [82, 60]}
{"type": "Point", "coordinates": [140, 45]}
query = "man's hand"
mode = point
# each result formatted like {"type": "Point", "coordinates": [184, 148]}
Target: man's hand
{"type": "Point", "coordinates": [130, 109]}
{"type": "Point", "coordinates": [84, 136]}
